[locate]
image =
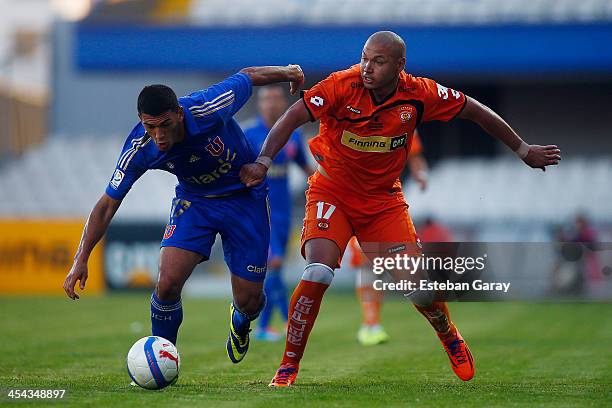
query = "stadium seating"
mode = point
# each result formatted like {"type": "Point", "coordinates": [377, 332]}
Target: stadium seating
{"type": "Point", "coordinates": [66, 177]}
{"type": "Point", "coordinates": [323, 12]}
{"type": "Point", "coordinates": [503, 190]}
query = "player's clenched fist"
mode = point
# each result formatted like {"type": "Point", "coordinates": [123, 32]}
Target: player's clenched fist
{"type": "Point", "coordinates": [78, 272]}
{"type": "Point", "coordinates": [297, 78]}
{"type": "Point", "coordinates": [252, 174]}
{"type": "Point", "coordinates": [539, 157]}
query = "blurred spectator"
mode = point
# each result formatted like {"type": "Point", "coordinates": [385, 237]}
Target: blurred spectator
{"type": "Point", "coordinates": [585, 233]}
{"type": "Point", "coordinates": [433, 231]}
{"type": "Point", "coordinates": [578, 266]}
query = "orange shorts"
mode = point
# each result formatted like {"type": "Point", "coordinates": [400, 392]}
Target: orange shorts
{"type": "Point", "coordinates": [328, 216]}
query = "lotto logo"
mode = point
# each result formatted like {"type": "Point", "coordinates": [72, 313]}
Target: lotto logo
{"type": "Point", "coordinates": [117, 179]}
{"type": "Point", "coordinates": [317, 101]}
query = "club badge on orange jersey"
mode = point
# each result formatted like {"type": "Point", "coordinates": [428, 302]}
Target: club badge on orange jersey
{"type": "Point", "coordinates": [405, 113]}
{"type": "Point", "coordinates": [323, 225]}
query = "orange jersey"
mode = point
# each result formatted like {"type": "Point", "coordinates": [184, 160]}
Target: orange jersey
{"type": "Point", "coordinates": [362, 146]}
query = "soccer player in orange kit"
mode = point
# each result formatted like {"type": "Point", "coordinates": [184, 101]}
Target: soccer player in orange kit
{"type": "Point", "coordinates": [367, 115]}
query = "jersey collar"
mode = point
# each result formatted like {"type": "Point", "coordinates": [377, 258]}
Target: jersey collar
{"type": "Point", "coordinates": [403, 77]}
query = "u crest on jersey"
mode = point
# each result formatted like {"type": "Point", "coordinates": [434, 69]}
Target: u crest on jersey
{"type": "Point", "coordinates": [215, 147]}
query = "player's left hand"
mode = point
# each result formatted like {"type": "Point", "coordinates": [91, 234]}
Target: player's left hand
{"type": "Point", "coordinates": [541, 156]}
{"type": "Point", "coordinates": [421, 178]}
{"type": "Point", "coordinates": [252, 174]}
{"type": "Point", "coordinates": [298, 76]}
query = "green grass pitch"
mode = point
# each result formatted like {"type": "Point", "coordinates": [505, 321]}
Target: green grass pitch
{"type": "Point", "coordinates": [526, 354]}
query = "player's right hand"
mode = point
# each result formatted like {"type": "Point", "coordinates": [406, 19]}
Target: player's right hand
{"type": "Point", "coordinates": [252, 174]}
{"type": "Point", "coordinates": [298, 81]}
{"type": "Point", "coordinates": [78, 272]}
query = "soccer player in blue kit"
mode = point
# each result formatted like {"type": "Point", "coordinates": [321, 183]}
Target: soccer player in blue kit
{"type": "Point", "coordinates": [271, 104]}
{"type": "Point", "coordinates": [197, 139]}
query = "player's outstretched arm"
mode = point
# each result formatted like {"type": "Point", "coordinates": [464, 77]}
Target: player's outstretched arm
{"type": "Point", "coordinates": [535, 156]}
{"type": "Point", "coordinates": [272, 74]}
{"type": "Point", "coordinates": [254, 173]}
{"type": "Point", "coordinates": [95, 227]}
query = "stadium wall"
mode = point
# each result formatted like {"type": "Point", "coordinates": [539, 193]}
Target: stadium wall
{"type": "Point", "coordinates": [502, 50]}
{"type": "Point", "coordinates": [36, 255]}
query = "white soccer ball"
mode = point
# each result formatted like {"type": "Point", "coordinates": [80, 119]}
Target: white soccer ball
{"type": "Point", "coordinates": [153, 363]}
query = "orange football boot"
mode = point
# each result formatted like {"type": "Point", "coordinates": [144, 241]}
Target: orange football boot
{"type": "Point", "coordinates": [285, 375]}
{"type": "Point", "coordinates": [458, 353]}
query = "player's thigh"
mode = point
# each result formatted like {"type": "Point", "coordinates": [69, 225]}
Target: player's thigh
{"type": "Point", "coordinates": [176, 265]}
{"type": "Point", "coordinates": [245, 233]}
{"type": "Point", "coordinates": [326, 230]}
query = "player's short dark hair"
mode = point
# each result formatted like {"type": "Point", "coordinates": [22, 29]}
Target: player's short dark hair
{"type": "Point", "coordinates": [157, 99]}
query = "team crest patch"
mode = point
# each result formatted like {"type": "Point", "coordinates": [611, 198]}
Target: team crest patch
{"type": "Point", "coordinates": [169, 231]}
{"type": "Point", "coordinates": [405, 114]}
{"type": "Point", "coordinates": [117, 179]}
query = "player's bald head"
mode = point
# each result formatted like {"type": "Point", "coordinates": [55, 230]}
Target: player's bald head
{"type": "Point", "coordinates": [392, 42]}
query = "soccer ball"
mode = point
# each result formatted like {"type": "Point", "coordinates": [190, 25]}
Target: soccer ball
{"type": "Point", "coordinates": [153, 363]}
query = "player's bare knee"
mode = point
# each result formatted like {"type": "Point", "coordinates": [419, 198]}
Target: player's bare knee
{"type": "Point", "coordinates": [319, 273]}
{"type": "Point", "coordinates": [321, 250]}
{"type": "Point", "coordinates": [168, 288]}
{"type": "Point", "coordinates": [250, 304]}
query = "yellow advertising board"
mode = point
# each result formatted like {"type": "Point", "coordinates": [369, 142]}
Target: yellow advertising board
{"type": "Point", "coordinates": [36, 255]}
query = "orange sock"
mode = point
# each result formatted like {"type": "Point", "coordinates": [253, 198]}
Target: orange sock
{"type": "Point", "coordinates": [370, 300]}
{"type": "Point", "coordinates": [438, 316]}
{"type": "Point", "coordinates": [303, 309]}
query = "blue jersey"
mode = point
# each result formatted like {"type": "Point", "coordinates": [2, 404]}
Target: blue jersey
{"type": "Point", "coordinates": [207, 162]}
{"type": "Point", "coordinates": [278, 181]}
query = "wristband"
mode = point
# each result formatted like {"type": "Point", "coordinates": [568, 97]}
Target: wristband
{"type": "Point", "coordinates": [264, 161]}
{"type": "Point", "coordinates": [523, 150]}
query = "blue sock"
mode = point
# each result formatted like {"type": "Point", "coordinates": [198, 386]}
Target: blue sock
{"type": "Point", "coordinates": [166, 317]}
{"type": "Point", "coordinates": [242, 321]}
{"type": "Point", "coordinates": [266, 313]}
{"type": "Point", "coordinates": [281, 298]}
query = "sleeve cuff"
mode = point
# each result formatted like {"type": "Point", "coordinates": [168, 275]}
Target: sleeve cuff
{"type": "Point", "coordinates": [312, 118]}
{"type": "Point", "coordinates": [462, 108]}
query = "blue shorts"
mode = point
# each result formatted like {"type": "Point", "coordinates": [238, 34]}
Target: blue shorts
{"type": "Point", "coordinates": [242, 220]}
